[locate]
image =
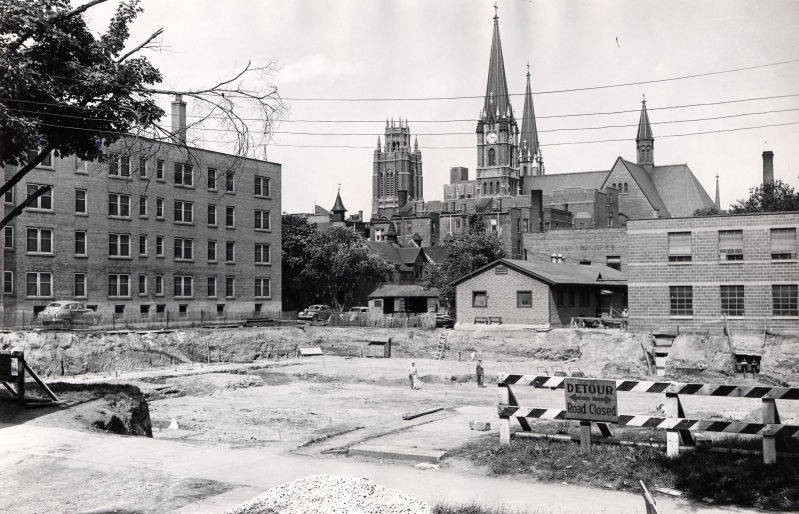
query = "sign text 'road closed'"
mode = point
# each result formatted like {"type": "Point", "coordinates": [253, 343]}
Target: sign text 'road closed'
{"type": "Point", "coordinates": [591, 400]}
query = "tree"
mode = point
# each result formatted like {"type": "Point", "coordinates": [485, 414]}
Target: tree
{"type": "Point", "coordinates": [707, 211]}
{"type": "Point", "coordinates": [770, 197]}
{"type": "Point", "coordinates": [465, 253]}
{"type": "Point", "coordinates": [300, 238]}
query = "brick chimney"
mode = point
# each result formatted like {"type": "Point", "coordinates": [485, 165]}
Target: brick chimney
{"type": "Point", "coordinates": [536, 210]}
{"type": "Point", "coordinates": [179, 119]}
{"type": "Point", "coordinates": [768, 167]}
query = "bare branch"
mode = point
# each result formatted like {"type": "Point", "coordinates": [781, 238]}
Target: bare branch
{"type": "Point", "coordinates": [78, 10]}
{"type": "Point", "coordinates": [139, 47]}
{"type": "Point", "coordinates": [25, 169]}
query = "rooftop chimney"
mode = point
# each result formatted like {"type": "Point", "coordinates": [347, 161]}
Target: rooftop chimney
{"type": "Point", "coordinates": [768, 167]}
{"type": "Point", "coordinates": [179, 119]}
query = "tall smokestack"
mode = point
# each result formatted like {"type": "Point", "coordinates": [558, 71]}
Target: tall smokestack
{"type": "Point", "coordinates": [537, 210]}
{"type": "Point", "coordinates": [768, 167]}
{"type": "Point", "coordinates": [179, 119]}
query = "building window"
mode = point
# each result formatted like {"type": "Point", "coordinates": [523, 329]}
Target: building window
{"type": "Point", "coordinates": [40, 240]}
{"type": "Point", "coordinates": [625, 187]}
{"type": "Point", "coordinates": [183, 310]}
{"type": "Point", "coordinates": [142, 167]}
{"type": "Point", "coordinates": [479, 299]}
{"type": "Point", "coordinates": [8, 282]}
{"type": "Point", "coordinates": [783, 243]}
{"type": "Point", "coordinates": [263, 220]}
{"type": "Point", "coordinates": [80, 243]}
{"type": "Point", "coordinates": [211, 251]}
{"type": "Point", "coordinates": [212, 179]}
{"type": "Point", "coordinates": [262, 186]}
{"type": "Point", "coordinates": [262, 253]}
{"type": "Point", "coordinates": [142, 245]}
{"type": "Point", "coordinates": [159, 208]}
{"type": "Point", "coordinates": [119, 165]}
{"type": "Point", "coordinates": [731, 245]}
{"type": "Point", "coordinates": [230, 287]}
{"type": "Point", "coordinates": [142, 206]}
{"type": "Point", "coordinates": [119, 245]}
{"type": "Point", "coordinates": [79, 285]}
{"type": "Point", "coordinates": [9, 237]}
{"type": "Point", "coordinates": [159, 169]}
{"type": "Point", "coordinates": [9, 198]}
{"type": "Point", "coordinates": [492, 157]}
{"type": "Point", "coordinates": [230, 186]}
{"type": "Point", "coordinates": [681, 301]}
{"type": "Point", "coordinates": [118, 286]}
{"type": "Point", "coordinates": [784, 300]}
{"type": "Point", "coordinates": [211, 287]}
{"type": "Point", "coordinates": [159, 285]}
{"type": "Point", "coordinates": [613, 261]}
{"type": "Point", "coordinates": [184, 211]}
{"type": "Point", "coordinates": [80, 201]}
{"type": "Point", "coordinates": [159, 246]}
{"type": "Point", "coordinates": [732, 300]}
{"type": "Point", "coordinates": [45, 201]}
{"type": "Point", "coordinates": [184, 175]}
{"type": "Point", "coordinates": [119, 310]}
{"type": "Point", "coordinates": [184, 249]}
{"type": "Point", "coordinates": [183, 286]}
{"type": "Point", "coordinates": [230, 251]}
{"type": "Point", "coordinates": [39, 285]}
{"type": "Point", "coordinates": [230, 217]}
{"type": "Point", "coordinates": [119, 205]}
{"type": "Point", "coordinates": [524, 299]}
{"type": "Point", "coordinates": [211, 215]}
{"type": "Point", "coordinates": [144, 310]}
{"type": "Point", "coordinates": [494, 225]}
{"type": "Point", "coordinates": [262, 288]}
{"type": "Point", "coordinates": [142, 284]}
{"type": "Point", "coordinates": [679, 247]}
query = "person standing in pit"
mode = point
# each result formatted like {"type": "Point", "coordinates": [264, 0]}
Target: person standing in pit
{"type": "Point", "coordinates": [480, 373]}
{"type": "Point", "coordinates": [412, 375]}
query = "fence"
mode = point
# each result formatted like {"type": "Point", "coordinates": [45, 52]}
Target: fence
{"type": "Point", "coordinates": [678, 427]}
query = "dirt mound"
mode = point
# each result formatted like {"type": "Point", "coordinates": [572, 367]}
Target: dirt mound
{"type": "Point", "coordinates": [612, 353]}
{"type": "Point", "coordinates": [499, 342]}
{"type": "Point", "coordinates": [693, 356]}
{"type": "Point", "coordinates": [779, 364]}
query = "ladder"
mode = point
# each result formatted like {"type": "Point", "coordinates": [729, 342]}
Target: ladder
{"type": "Point", "coordinates": [441, 348]}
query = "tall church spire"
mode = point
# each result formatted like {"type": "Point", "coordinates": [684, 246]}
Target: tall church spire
{"type": "Point", "coordinates": [497, 102]}
{"type": "Point", "coordinates": [644, 141]}
{"type": "Point", "coordinates": [718, 197]}
{"type": "Point", "coordinates": [528, 138]}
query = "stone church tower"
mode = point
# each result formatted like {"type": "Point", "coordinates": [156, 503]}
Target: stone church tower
{"type": "Point", "coordinates": [531, 161]}
{"type": "Point", "coordinates": [645, 141]}
{"type": "Point", "coordinates": [397, 172]}
{"type": "Point", "coordinates": [497, 133]}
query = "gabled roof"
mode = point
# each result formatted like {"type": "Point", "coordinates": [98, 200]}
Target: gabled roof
{"type": "Point", "coordinates": [497, 100]}
{"type": "Point", "coordinates": [436, 253]}
{"type": "Point", "coordinates": [681, 191]}
{"type": "Point", "coordinates": [403, 291]}
{"type": "Point", "coordinates": [558, 273]}
{"type": "Point", "coordinates": [529, 132]}
{"type": "Point", "coordinates": [644, 128]}
{"type": "Point", "coordinates": [647, 186]}
{"type": "Point", "coordinates": [320, 211]}
{"type": "Point", "coordinates": [409, 254]}
{"type": "Point", "coordinates": [386, 250]}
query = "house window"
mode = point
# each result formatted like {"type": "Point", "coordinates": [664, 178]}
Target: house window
{"type": "Point", "coordinates": [184, 175]}
{"type": "Point", "coordinates": [613, 261]}
{"type": "Point", "coordinates": [230, 217]}
{"type": "Point", "coordinates": [262, 288]}
{"type": "Point", "coordinates": [118, 286]}
{"type": "Point", "coordinates": [230, 251]}
{"type": "Point", "coordinates": [211, 215]}
{"type": "Point", "coordinates": [39, 284]}
{"type": "Point", "coordinates": [230, 186]}
{"type": "Point", "coordinates": [184, 211]}
{"type": "Point", "coordinates": [8, 282]}
{"type": "Point", "coordinates": [80, 243]}
{"type": "Point", "coordinates": [731, 245]}
{"type": "Point", "coordinates": [142, 284]}
{"type": "Point", "coordinates": [142, 245]}
{"type": "Point", "coordinates": [262, 253]}
{"type": "Point", "coordinates": [45, 201]}
{"type": "Point", "coordinates": [681, 300]}
{"type": "Point", "coordinates": [479, 299]}
{"type": "Point", "coordinates": [783, 243]}
{"type": "Point", "coordinates": [142, 206]}
{"type": "Point", "coordinates": [184, 249]}
{"type": "Point", "coordinates": [119, 245]}
{"type": "Point", "coordinates": [524, 299]}
{"type": "Point", "coordinates": [119, 205]}
{"type": "Point", "coordinates": [212, 179]}
{"type": "Point", "coordinates": [262, 186]}
{"type": "Point", "coordinates": [159, 169]}
{"type": "Point", "coordinates": [119, 165]}
{"type": "Point", "coordinates": [79, 285]}
{"type": "Point", "coordinates": [80, 201]}
{"type": "Point", "coordinates": [211, 251]}
{"type": "Point", "coordinates": [230, 287]}
{"type": "Point", "coordinates": [159, 246]}
{"type": "Point", "coordinates": [211, 287]}
{"type": "Point", "coordinates": [679, 247]}
{"type": "Point", "coordinates": [262, 220]}
{"type": "Point", "coordinates": [40, 240]}
{"type": "Point", "coordinates": [159, 285]}
{"type": "Point", "coordinates": [732, 300]}
{"type": "Point", "coordinates": [9, 237]}
{"type": "Point", "coordinates": [142, 167]}
{"type": "Point", "coordinates": [784, 300]}
{"type": "Point", "coordinates": [183, 286]}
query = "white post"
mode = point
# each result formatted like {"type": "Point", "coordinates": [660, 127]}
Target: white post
{"type": "Point", "coordinates": [769, 441]}
{"type": "Point", "coordinates": [672, 436]}
{"type": "Point", "coordinates": [504, 423]}
{"type": "Point", "coordinates": [585, 437]}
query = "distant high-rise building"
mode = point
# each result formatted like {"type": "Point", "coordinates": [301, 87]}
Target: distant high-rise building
{"type": "Point", "coordinates": [397, 172]}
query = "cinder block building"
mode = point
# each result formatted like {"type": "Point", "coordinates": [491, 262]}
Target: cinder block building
{"type": "Point", "coordinates": [158, 228]}
{"type": "Point", "coordinates": [695, 273]}
{"type": "Point", "coordinates": [606, 246]}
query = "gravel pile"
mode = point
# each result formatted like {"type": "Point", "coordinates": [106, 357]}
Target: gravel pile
{"type": "Point", "coordinates": [332, 494]}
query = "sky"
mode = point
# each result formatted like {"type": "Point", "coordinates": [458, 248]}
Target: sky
{"type": "Point", "coordinates": [411, 49]}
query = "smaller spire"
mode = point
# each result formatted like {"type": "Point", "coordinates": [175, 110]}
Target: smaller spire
{"type": "Point", "coordinates": [378, 143]}
{"type": "Point", "coordinates": [496, 10]}
{"type": "Point", "coordinates": [718, 197]}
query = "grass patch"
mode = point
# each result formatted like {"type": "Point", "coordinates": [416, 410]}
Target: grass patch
{"type": "Point", "coordinates": [723, 478]}
{"type": "Point", "coordinates": [474, 508]}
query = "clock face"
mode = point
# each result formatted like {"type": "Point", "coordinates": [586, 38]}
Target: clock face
{"type": "Point", "coordinates": [491, 137]}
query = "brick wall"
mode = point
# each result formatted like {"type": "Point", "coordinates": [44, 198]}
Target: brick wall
{"type": "Point", "coordinates": [501, 290]}
{"type": "Point", "coordinates": [576, 244]}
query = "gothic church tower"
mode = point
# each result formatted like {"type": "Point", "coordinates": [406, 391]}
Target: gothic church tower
{"type": "Point", "coordinates": [396, 172]}
{"type": "Point", "coordinates": [530, 159]}
{"type": "Point", "coordinates": [644, 141]}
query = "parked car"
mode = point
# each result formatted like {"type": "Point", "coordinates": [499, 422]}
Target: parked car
{"type": "Point", "coordinates": [317, 312]}
{"type": "Point", "coordinates": [444, 320]}
{"type": "Point", "coordinates": [356, 312]}
{"type": "Point", "coordinates": [68, 313]}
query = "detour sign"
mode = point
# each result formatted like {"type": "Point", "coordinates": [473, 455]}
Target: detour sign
{"type": "Point", "coordinates": [591, 400]}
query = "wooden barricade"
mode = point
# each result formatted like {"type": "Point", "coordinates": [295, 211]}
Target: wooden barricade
{"type": "Point", "coordinates": [678, 427]}
{"type": "Point", "coordinates": [11, 374]}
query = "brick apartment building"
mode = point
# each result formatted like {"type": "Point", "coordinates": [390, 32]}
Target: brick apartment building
{"type": "Point", "coordinates": [693, 272]}
{"type": "Point", "coordinates": [158, 228]}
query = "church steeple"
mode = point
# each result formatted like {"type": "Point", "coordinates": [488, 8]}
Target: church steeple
{"type": "Point", "coordinates": [528, 137]}
{"type": "Point", "coordinates": [497, 101]}
{"type": "Point", "coordinates": [644, 141]}
{"type": "Point", "coordinates": [718, 197]}
{"type": "Point", "coordinates": [338, 211]}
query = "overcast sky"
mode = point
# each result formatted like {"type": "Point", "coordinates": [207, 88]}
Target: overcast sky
{"type": "Point", "coordinates": [416, 48]}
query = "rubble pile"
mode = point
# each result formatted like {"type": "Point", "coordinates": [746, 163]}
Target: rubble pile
{"type": "Point", "coordinates": [332, 494]}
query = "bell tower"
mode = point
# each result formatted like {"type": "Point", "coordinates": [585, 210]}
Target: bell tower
{"type": "Point", "coordinates": [644, 141]}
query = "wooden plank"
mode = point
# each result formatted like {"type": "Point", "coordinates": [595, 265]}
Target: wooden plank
{"type": "Point", "coordinates": [414, 415]}
{"type": "Point", "coordinates": [649, 502]}
{"type": "Point", "coordinates": [585, 437]}
{"type": "Point", "coordinates": [769, 441]}
{"type": "Point", "coordinates": [38, 380]}
{"type": "Point", "coordinates": [504, 423]}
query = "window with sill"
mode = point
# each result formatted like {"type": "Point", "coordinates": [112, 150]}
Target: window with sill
{"type": "Point", "coordinates": [479, 299]}
{"type": "Point", "coordinates": [8, 282]}
{"type": "Point", "coordinates": [159, 285]}
{"type": "Point", "coordinates": [40, 240]}
{"type": "Point", "coordinates": [118, 286]}
{"type": "Point", "coordinates": [679, 247]}
{"type": "Point", "coordinates": [142, 167]}
{"type": "Point", "coordinates": [262, 186]}
{"type": "Point", "coordinates": [211, 251]}
{"type": "Point", "coordinates": [79, 285]}
{"type": "Point", "coordinates": [80, 243]}
{"type": "Point", "coordinates": [142, 245]}
{"type": "Point", "coordinates": [732, 300]}
{"type": "Point", "coordinates": [143, 206]}
{"type": "Point", "coordinates": [119, 245]}
{"type": "Point", "coordinates": [211, 287]}
{"type": "Point", "coordinates": [681, 301]}
{"type": "Point", "coordinates": [211, 215]}
{"type": "Point", "coordinates": [118, 205]}
{"type": "Point", "coordinates": [47, 162]}
{"type": "Point", "coordinates": [262, 288]}
{"type": "Point", "coordinates": [230, 217]}
{"type": "Point", "coordinates": [184, 211]}
{"type": "Point", "coordinates": [183, 286]}
{"type": "Point", "coordinates": [159, 208]}
{"type": "Point", "coordinates": [159, 169]}
{"type": "Point", "coordinates": [230, 287]}
{"type": "Point", "coordinates": [524, 299]}
{"type": "Point", "coordinates": [119, 165]}
{"type": "Point", "coordinates": [39, 284]}
{"type": "Point", "coordinates": [159, 246]}
{"type": "Point", "coordinates": [263, 220]}
{"type": "Point", "coordinates": [184, 249]}
{"type": "Point", "coordinates": [230, 186]}
{"type": "Point", "coordinates": [731, 245]}
{"type": "Point", "coordinates": [8, 234]}
{"type": "Point", "coordinates": [262, 253]}
{"type": "Point", "coordinates": [142, 284]}
{"type": "Point", "coordinates": [784, 300]}
{"type": "Point", "coordinates": [230, 251]}
{"type": "Point", "coordinates": [212, 179]}
{"type": "Point", "coordinates": [80, 201]}
{"type": "Point", "coordinates": [9, 198]}
{"type": "Point", "coordinates": [43, 202]}
{"type": "Point", "coordinates": [783, 244]}
{"type": "Point", "coordinates": [184, 175]}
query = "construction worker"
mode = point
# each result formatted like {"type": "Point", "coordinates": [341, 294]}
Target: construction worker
{"type": "Point", "coordinates": [480, 373]}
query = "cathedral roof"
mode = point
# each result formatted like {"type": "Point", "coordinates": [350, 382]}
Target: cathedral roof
{"type": "Point", "coordinates": [497, 101]}
{"type": "Point", "coordinates": [644, 129]}
{"type": "Point", "coordinates": [529, 132]}
{"type": "Point", "coordinates": [339, 205]}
